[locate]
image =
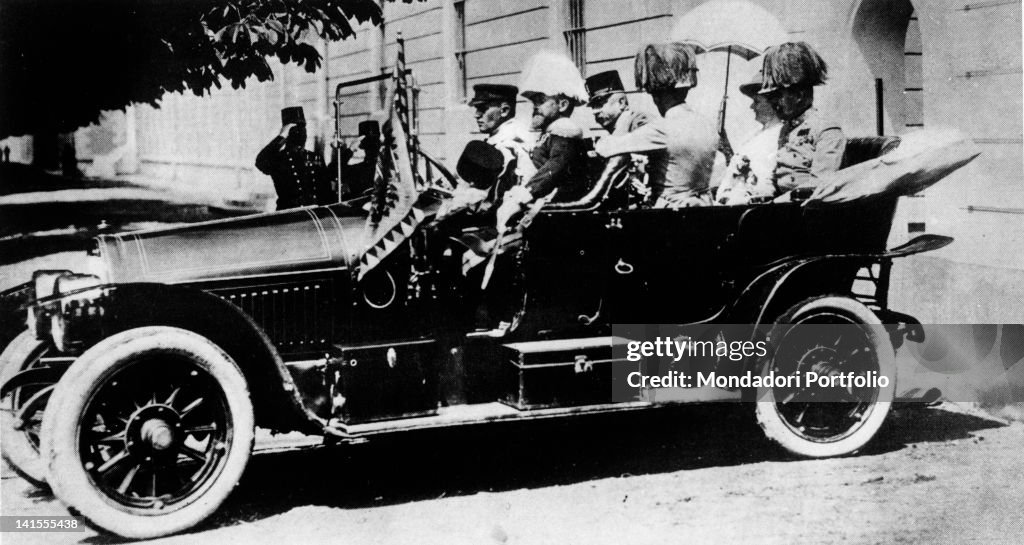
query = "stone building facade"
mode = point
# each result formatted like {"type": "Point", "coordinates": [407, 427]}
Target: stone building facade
{"type": "Point", "coordinates": [952, 63]}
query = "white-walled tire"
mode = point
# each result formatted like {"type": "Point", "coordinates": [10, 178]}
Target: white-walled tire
{"type": "Point", "coordinates": [148, 432]}
{"type": "Point", "coordinates": [22, 409]}
{"type": "Point", "coordinates": [827, 335]}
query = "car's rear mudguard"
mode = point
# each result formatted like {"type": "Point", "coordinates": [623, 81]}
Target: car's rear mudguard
{"type": "Point", "coordinates": [789, 280]}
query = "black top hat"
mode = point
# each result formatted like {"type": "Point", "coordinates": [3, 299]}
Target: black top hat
{"type": "Point", "coordinates": [293, 114]}
{"type": "Point", "coordinates": [485, 93]}
{"type": "Point", "coordinates": [603, 84]}
{"type": "Point", "coordinates": [480, 164]}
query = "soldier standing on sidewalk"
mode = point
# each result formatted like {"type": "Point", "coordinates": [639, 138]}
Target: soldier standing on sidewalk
{"type": "Point", "coordinates": [300, 176]}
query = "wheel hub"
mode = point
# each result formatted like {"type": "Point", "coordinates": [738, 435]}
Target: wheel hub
{"type": "Point", "coordinates": [153, 429]}
{"type": "Point", "coordinates": [158, 434]}
{"type": "Point", "coordinates": [820, 360]}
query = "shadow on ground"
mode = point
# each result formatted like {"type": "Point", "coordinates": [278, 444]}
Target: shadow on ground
{"type": "Point", "coordinates": [442, 463]}
{"type": "Point", "coordinates": [21, 178]}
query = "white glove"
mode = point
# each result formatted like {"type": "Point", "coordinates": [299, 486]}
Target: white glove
{"type": "Point", "coordinates": [513, 203]}
{"type": "Point", "coordinates": [464, 196]}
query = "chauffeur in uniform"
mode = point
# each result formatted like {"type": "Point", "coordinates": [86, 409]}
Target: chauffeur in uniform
{"type": "Point", "coordinates": [300, 176]}
{"type": "Point", "coordinates": [495, 106]}
{"type": "Point", "coordinates": [495, 111]}
{"type": "Point", "coordinates": [610, 105]}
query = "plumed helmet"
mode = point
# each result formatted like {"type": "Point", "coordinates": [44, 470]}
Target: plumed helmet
{"type": "Point", "coordinates": [551, 73]}
{"type": "Point", "coordinates": [670, 65]}
{"type": "Point", "coordinates": [792, 64]}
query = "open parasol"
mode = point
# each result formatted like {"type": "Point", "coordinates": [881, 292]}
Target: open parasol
{"type": "Point", "coordinates": [737, 27]}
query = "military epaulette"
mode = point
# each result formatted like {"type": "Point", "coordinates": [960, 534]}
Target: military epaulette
{"type": "Point", "coordinates": [565, 128]}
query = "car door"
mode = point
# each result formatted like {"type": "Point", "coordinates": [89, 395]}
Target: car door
{"type": "Point", "coordinates": [667, 265]}
{"type": "Point", "coordinates": [565, 272]}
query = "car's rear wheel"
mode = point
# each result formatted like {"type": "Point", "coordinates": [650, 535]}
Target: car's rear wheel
{"type": "Point", "coordinates": [21, 412]}
{"type": "Point", "coordinates": [836, 337]}
{"type": "Point", "coordinates": [148, 432]}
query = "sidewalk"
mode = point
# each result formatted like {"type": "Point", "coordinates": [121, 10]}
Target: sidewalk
{"type": "Point", "coordinates": [24, 184]}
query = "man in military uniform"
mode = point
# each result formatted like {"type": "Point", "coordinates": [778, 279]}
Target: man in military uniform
{"type": "Point", "coordinates": [495, 111]}
{"type": "Point", "coordinates": [300, 176]}
{"type": "Point", "coordinates": [554, 85]}
{"type": "Point", "coordinates": [610, 105]}
{"type": "Point", "coordinates": [810, 144]}
{"type": "Point", "coordinates": [495, 106]}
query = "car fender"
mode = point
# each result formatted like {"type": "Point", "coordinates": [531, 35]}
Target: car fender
{"type": "Point", "coordinates": [789, 280]}
{"type": "Point", "coordinates": [276, 399]}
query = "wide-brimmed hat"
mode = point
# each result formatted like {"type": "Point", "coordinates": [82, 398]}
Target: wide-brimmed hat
{"type": "Point", "coordinates": [293, 114]}
{"type": "Point", "coordinates": [664, 66]}
{"type": "Point", "coordinates": [603, 84]}
{"type": "Point", "coordinates": [792, 64]}
{"type": "Point", "coordinates": [480, 163]}
{"type": "Point", "coordinates": [753, 86]}
{"type": "Point", "coordinates": [488, 93]}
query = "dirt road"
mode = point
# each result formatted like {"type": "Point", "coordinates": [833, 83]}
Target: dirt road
{"type": "Point", "coordinates": [690, 475]}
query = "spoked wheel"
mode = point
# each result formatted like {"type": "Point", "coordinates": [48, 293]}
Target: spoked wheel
{"type": "Point", "coordinates": [21, 412]}
{"type": "Point", "coordinates": [148, 432]}
{"type": "Point", "coordinates": [840, 339]}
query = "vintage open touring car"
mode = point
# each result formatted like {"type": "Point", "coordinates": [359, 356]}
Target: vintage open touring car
{"type": "Point", "coordinates": [135, 390]}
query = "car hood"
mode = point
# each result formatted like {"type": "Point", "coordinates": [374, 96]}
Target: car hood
{"type": "Point", "coordinates": [302, 239]}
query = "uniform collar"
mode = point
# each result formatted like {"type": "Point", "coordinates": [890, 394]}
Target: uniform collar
{"type": "Point", "coordinates": [623, 122]}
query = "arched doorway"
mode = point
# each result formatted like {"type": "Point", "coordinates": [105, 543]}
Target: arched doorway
{"type": "Point", "coordinates": [880, 30]}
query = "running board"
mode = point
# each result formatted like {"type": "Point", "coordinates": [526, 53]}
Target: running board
{"type": "Point", "coordinates": [479, 413]}
{"type": "Point", "coordinates": [482, 413]}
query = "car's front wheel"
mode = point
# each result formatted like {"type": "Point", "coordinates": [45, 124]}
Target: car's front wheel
{"type": "Point", "coordinates": [847, 349]}
{"type": "Point", "coordinates": [148, 432]}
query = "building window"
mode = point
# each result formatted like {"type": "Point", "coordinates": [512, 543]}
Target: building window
{"type": "Point", "coordinates": [576, 34]}
{"type": "Point", "coordinates": [460, 47]}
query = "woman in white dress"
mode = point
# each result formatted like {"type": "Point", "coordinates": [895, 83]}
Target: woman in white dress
{"type": "Point", "coordinates": [751, 171]}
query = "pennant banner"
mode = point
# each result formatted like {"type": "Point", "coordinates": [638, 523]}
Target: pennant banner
{"type": "Point", "coordinates": [397, 208]}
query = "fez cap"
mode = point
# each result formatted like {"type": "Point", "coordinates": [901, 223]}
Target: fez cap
{"type": "Point", "coordinates": [368, 127]}
{"type": "Point", "coordinates": [293, 114]}
{"type": "Point", "coordinates": [603, 84]}
{"type": "Point", "coordinates": [753, 86]}
{"type": "Point", "coordinates": [486, 93]}
{"type": "Point", "coordinates": [480, 164]}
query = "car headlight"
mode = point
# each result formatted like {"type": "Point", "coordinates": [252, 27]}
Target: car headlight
{"type": "Point", "coordinates": [69, 283]}
{"type": "Point", "coordinates": [43, 282]}
{"type": "Point", "coordinates": [66, 307]}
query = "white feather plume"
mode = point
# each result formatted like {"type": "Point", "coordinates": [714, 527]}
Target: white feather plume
{"type": "Point", "coordinates": [552, 73]}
